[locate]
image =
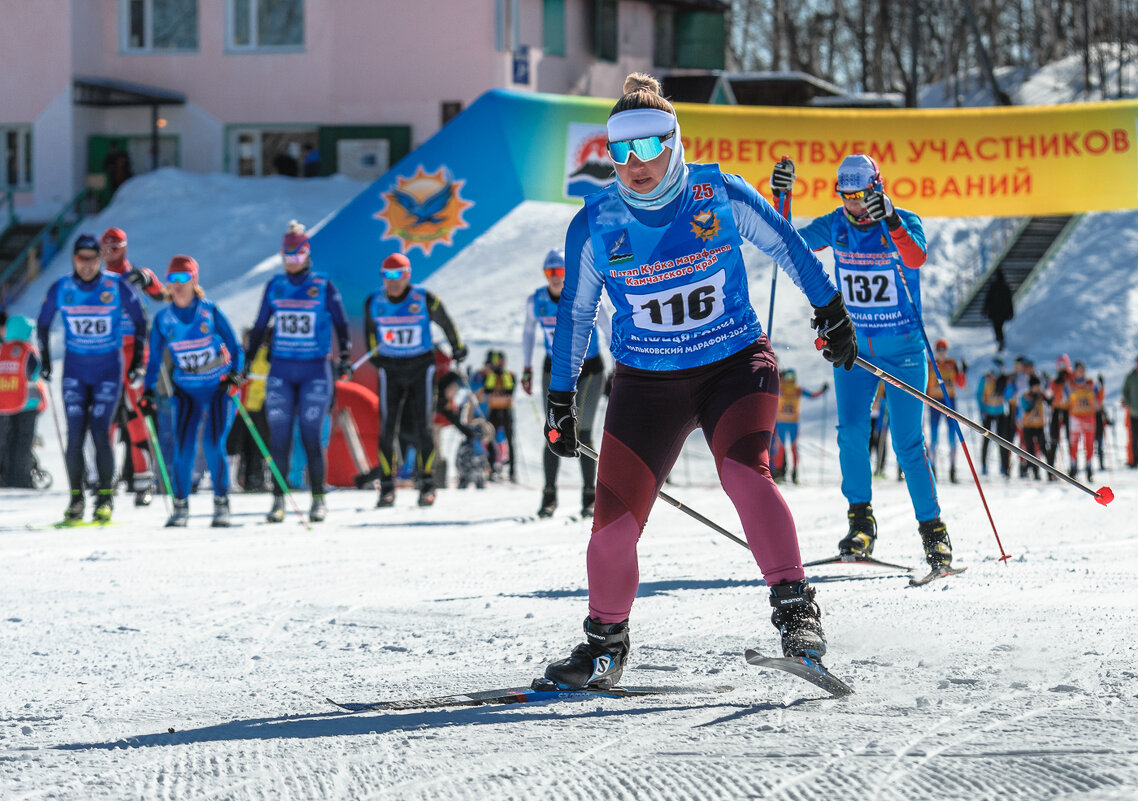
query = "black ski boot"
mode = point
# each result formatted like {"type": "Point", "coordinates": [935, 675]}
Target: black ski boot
{"type": "Point", "coordinates": [548, 502]}
{"type": "Point", "coordinates": [143, 497]}
{"type": "Point", "coordinates": [797, 617]}
{"type": "Point", "coordinates": [597, 662]}
{"type": "Point", "coordinates": [74, 511]}
{"type": "Point", "coordinates": [588, 501]}
{"type": "Point", "coordinates": [427, 496]}
{"type": "Point", "coordinates": [319, 510]}
{"type": "Point", "coordinates": [1090, 473]}
{"type": "Point", "coordinates": [386, 496]}
{"type": "Point", "coordinates": [220, 512]}
{"type": "Point", "coordinates": [277, 513]}
{"type": "Point", "coordinates": [938, 547]}
{"type": "Point", "coordinates": [863, 531]}
{"type": "Point", "coordinates": [181, 514]}
{"type": "Point", "coordinates": [104, 506]}
{"type": "Point", "coordinates": [952, 474]}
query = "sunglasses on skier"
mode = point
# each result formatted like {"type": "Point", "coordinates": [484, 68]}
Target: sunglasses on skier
{"type": "Point", "coordinates": [645, 148]}
{"type": "Point", "coordinates": [298, 257]}
{"type": "Point", "coordinates": [857, 195]}
{"type": "Point", "coordinates": [554, 272]}
{"type": "Point", "coordinates": [179, 278]}
{"type": "Point", "coordinates": [393, 275]}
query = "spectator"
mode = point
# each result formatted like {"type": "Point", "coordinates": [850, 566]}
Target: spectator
{"type": "Point", "coordinates": [998, 305]}
{"type": "Point", "coordinates": [22, 398]}
{"type": "Point", "coordinates": [1130, 403]}
{"type": "Point", "coordinates": [117, 166]}
{"type": "Point", "coordinates": [311, 162]}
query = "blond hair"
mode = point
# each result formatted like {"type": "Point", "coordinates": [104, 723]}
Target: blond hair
{"type": "Point", "coordinates": [642, 91]}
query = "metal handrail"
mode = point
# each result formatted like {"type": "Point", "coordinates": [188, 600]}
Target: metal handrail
{"type": "Point", "coordinates": [64, 223]}
{"type": "Point", "coordinates": [7, 200]}
{"type": "Point", "coordinates": [994, 245]}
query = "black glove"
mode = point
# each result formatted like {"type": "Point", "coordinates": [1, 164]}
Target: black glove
{"type": "Point", "coordinates": [838, 339]}
{"type": "Point", "coordinates": [45, 371]}
{"type": "Point", "coordinates": [964, 367]}
{"type": "Point", "coordinates": [561, 423]}
{"type": "Point", "coordinates": [880, 207]}
{"type": "Point", "coordinates": [135, 374]}
{"type": "Point", "coordinates": [138, 278]}
{"type": "Point", "coordinates": [782, 176]}
{"type": "Point", "coordinates": [344, 368]}
{"type": "Point", "coordinates": [608, 383]}
{"type": "Point", "coordinates": [458, 353]}
{"type": "Point", "coordinates": [1100, 381]}
{"type": "Point", "coordinates": [527, 380]}
{"type": "Point", "coordinates": [146, 404]}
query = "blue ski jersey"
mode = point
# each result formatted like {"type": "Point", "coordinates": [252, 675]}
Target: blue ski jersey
{"type": "Point", "coordinates": [542, 311]}
{"type": "Point", "coordinates": [92, 313]}
{"type": "Point", "coordinates": [200, 342]}
{"type": "Point", "coordinates": [865, 267]}
{"type": "Point", "coordinates": [674, 275]}
{"type": "Point", "coordinates": [402, 329]}
{"type": "Point", "coordinates": [303, 327]}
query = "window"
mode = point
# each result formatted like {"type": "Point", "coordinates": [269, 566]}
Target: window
{"type": "Point", "coordinates": [690, 39]}
{"type": "Point", "coordinates": [605, 38]}
{"type": "Point", "coordinates": [553, 27]}
{"type": "Point", "coordinates": [159, 25]}
{"type": "Point", "coordinates": [450, 109]}
{"type": "Point", "coordinates": [507, 25]}
{"type": "Point", "coordinates": [265, 24]}
{"type": "Point", "coordinates": [271, 150]}
{"type": "Point", "coordinates": [16, 156]}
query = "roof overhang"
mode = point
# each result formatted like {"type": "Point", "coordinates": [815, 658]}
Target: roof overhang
{"type": "Point", "coordinates": [105, 92]}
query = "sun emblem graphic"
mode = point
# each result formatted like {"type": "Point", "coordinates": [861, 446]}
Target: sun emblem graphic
{"type": "Point", "coordinates": [705, 225]}
{"type": "Point", "coordinates": [424, 210]}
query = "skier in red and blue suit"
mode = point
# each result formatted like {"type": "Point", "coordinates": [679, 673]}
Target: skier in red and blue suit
{"type": "Point", "coordinates": [92, 303]}
{"type": "Point", "coordinates": [872, 241]}
{"type": "Point", "coordinates": [306, 307]}
{"type": "Point", "coordinates": [664, 242]}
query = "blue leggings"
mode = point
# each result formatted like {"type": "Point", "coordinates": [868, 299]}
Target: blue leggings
{"type": "Point", "coordinates": [90, 398]}
{"type": "Point", "coordinates": [905, 358]}
{"type": "Point", "coordinates": [189, 408]}
{"type": "Point", "coordinates": [299, 389]}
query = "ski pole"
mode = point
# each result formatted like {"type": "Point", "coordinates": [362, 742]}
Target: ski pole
{"type": "Point", "coordinates": [359, 362]}
{"type": "Point", "coordinates": [783, 209]}
{"type": "Point", "coordinates": [58, 429]}
{"type": "Point", "coordinates": [1104, 495]}
{"type": "Point", "coordinates": [592, 454]}
{"type": "Point", "coordinates": [900, 270]}
{"type": "Point", "coordinates": [152, 435]}
{"type": "Point", "coordinates": [269, 459]}
{"type": "Point", "coordinates": [822, 442]}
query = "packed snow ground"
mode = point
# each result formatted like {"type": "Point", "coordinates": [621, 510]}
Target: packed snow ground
{"type": "Point", "coordinates": [1014, 680]}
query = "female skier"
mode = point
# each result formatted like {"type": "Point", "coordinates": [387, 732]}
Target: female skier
{"type": "Point", "coordinates": [664, 241]}
{"type": "Point", "coordinates": [206, 363]}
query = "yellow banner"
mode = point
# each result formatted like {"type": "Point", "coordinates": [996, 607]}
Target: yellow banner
{"type": "Point", "coordinates": [1020, 161]}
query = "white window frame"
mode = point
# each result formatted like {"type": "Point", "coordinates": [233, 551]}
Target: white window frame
{"type": "Point", "coordinates": [148, 36]}
{"type": "Point", "coordinates": [253, 46]}
{"type": "Point", "coordinates": [24, 180]}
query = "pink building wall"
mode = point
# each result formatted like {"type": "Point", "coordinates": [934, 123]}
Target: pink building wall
{"type": "Point", "coordinates": [363, 62]}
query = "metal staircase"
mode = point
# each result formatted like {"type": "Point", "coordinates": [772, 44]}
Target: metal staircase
{"type": "Point", "coordinates": [1022, 259]}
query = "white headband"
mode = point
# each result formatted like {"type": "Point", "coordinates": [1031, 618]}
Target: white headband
{"type": "Point", "coordinates": [638, 123]}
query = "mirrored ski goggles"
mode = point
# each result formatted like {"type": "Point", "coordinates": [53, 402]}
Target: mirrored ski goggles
{"type": "Point", "coordinates": [554, 272]}
{"type": "Point", "coordinates": [394, 275]}
{"type": "Point", "coordinates": [858, 194]}
{"type": "Point", "coordinates": [297, 257]}
{"type": "Point", "coordinates": [645, 148]}
{"type": "Point", "coordinates": [179, 278]}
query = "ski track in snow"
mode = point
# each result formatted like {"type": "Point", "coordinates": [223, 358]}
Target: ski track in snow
{"type": "Point", "coordinates": [1011, 681]}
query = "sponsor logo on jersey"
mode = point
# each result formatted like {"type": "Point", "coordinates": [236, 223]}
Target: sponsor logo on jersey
{"type": "Point", "coordinates": [424, 210]}
{"type": "Point", "coordinates": [884, 243]}
{"type": "Point", "coordinates": [106, 297]}
{"type": "Point", "coordinates": [414, 308]}
{"type": "Point", "coordinates": [618, 246]}
{"type": "Point", "coordinates": [313, 292]}
{"type": "Point", "coordinates": [204, 328]}
{"type": "Point", "coordinates": [587, 164]}
{"type": "Point", "coordinates": [705, 225]}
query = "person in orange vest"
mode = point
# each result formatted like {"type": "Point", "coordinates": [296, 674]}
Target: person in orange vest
{"type": "Point", "coordinates": [1085, 399]}
{"type": "Point", "coordinates": [786, 422]}
{"type": "Point", "coordinates": [954, 376]}
{"type": "Point", "coordinates": [138, 465]}
{"type": "Point", "coordinates": [1060, 407]}
{"type": "Point", "coordinates": [22, 397]}
{"type": "Point", "coordinates": [1032, 413]}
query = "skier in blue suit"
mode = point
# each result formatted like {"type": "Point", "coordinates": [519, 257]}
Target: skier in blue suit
{"type": "Point", "coordinates": [875, 243]}
{"type": "Point", "coordinates": [205, 366]}
{"type": "Point", "coordinates": [93, 303]}
{"type": "Point", "coordinates": [306, 307]}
